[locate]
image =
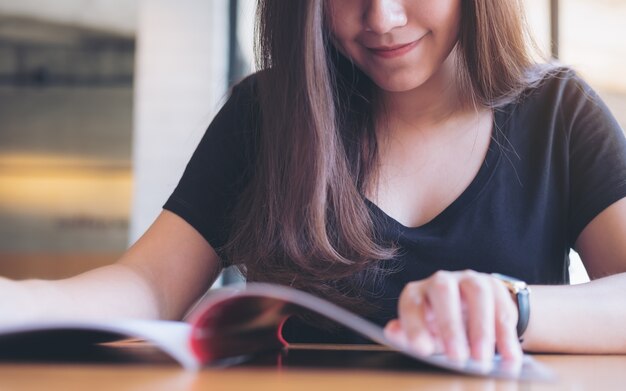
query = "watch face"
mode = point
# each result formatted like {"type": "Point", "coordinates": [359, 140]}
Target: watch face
{"type": "Point", "coordinates": [504, 277]}
{"type": "Point", "coordinates": [513, 282]}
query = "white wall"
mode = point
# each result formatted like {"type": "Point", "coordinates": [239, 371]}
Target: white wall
{"type": "Point", "coordinates": [181, 76]}
{"type": "Point", "coordinates": [245, 29]}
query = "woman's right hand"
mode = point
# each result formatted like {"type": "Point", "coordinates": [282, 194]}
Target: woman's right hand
{"type": "Point", "coordinates": [462, 314]}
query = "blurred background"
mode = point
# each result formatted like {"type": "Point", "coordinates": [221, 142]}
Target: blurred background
{"type": "Point", "coordinates": [103, 101]}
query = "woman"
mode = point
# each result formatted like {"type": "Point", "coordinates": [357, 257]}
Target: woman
{"type": "Point", "coordinates": [390, 156]}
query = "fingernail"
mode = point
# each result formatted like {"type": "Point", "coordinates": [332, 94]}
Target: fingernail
{"type": "Point", "coordinates": [515, 350]}
{"type": "Point", "coordinates": [423, 345]}
{"type": "Point", "coordinates": [486, 352]}
{"type": "Point", "coordinates": [460, 355]}
{"type": "Point", "coordinates": [399, 338]}
{"type": "Point", "coordinates": [459, 351]}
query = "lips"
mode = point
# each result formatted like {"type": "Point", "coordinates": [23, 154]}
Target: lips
{"type": "Point", "coordinates": [394, 50]}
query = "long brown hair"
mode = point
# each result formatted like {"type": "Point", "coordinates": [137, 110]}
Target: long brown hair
{"type": "Point", "coordinates": [303, 218]}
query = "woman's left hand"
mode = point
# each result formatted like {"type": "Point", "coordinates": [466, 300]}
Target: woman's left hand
{"type": "Point", "coordinates": [462, 314]}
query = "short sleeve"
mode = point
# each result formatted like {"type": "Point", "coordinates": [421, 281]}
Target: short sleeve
{"type": "Point", "coordinates": [219, 169]}
{"type": "Point", "coordinates": [597, 155]}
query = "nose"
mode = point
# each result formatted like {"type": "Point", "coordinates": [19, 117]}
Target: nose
{"type": "Point", "coordinates": [382, 16]}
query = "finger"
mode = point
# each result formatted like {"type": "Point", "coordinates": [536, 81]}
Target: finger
{"type": "Point", "coordinates": [477, 293]}
{"type": "Point", "coordinates": [393, 331]}
{"type": "Point", "coordinates": [412, 309]}
{"type": "Point", "coordinates": [444, 297]}
{"type": "Point", "coordinates": [431, 322]}
{"type": "Point", "coordinates": [507, 341]}
{"type": "Point", "coordinates": [393, 326]}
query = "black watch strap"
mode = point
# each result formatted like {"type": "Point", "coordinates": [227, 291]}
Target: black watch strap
{"type": "Point", "coordinates": [520, 293]}
{"type": "Point", "coordinates": [523, 309]}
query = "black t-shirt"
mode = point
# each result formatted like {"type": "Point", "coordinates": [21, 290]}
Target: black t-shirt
{"type": "Point", "coordinates": [557, 158]}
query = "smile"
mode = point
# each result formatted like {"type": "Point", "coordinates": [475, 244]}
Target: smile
{"type": "Point", "coordinates": [394, 51]}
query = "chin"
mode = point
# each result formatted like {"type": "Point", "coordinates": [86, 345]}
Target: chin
{"type": "Point", "coordinates": [399, 84]}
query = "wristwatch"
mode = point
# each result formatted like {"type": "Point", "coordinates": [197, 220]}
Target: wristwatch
{"type": "Point", "coordinates": [520, 293]}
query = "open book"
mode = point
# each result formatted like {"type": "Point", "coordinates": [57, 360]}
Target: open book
{"type": "Point", "coordinates": [234, 323]}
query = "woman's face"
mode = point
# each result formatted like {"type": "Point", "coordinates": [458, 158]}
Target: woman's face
{"type": "Point", "coordinates": [399, 44]}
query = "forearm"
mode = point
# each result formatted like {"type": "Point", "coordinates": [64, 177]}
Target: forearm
{"type": "Point", "coordinates": [115, 291]}
{"type": "Point", "coordinates": [585, 318]}
{"type": "Point", "coordinates": [160, 276]}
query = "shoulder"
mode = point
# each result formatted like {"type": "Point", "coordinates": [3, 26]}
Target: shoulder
{"type": "Point", "coordinates": [555, 85]}
{"type": "Point", "coordinates": [247, 84]}
{"type": "Point", "coordinates": [559, 110]}
{"type": "Point", "coordinates": [557, 95]}
{"type": "Point", "coordinates": [248, 87]}
{"type": "Point", "coordinates": [240, 111]}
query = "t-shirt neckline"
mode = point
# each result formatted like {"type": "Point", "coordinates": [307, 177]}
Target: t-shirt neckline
{"type": "Point", "coordinates": [471, 192]}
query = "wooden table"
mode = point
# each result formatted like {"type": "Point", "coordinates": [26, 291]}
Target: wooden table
{"type": "Point", "coordinates": [318, 370]}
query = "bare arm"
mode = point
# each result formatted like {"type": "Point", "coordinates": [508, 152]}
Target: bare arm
{"type": "Point", "coordinates": [160, 276]}
{"type": "Point", "coordinates": [587, 318]}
